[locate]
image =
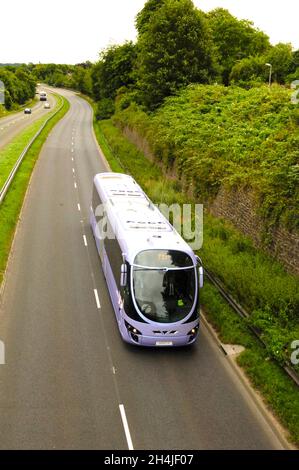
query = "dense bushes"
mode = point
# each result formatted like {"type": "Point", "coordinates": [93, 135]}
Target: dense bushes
{"type": "Point", "coordinates": [216, 135]}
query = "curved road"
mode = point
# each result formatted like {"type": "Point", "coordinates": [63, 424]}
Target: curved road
{"type": "Point", "coordinates": [67, 370]}
{"type": "Point", "coordinates": [12, 125]}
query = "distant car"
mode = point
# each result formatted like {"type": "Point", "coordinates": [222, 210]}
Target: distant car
{"type": "Point", "coordinates": [43, 96]}
{"type": "Point", "coordinates": [27, 111]}
{"type": "Point", "coordinates": [47, 106]}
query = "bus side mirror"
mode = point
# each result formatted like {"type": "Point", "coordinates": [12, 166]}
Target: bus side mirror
{"type": "Point", "coordinates": [200, 276]}
{"type": "Point", "coordinates": [123, 275]}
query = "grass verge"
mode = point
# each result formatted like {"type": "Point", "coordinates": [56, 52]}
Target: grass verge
{"type": "Point", "coordinates": [11, 206]}
{"type": "Point", "coordinates": [10, 153]}
{"type": "Point", "coordinates": [279, 392]}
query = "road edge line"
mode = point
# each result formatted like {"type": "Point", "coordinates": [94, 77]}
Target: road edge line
{"type": "Point", "coordinates": [272, 421]}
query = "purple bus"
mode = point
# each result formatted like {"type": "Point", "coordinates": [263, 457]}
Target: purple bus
{"type": "Point", "coordinates": [152, 274]}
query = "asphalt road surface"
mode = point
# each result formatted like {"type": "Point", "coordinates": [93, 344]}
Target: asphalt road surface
{"type": "Point", "coordinates": [69, 381]}
{"type": "Point", "coordinates": [12, 125]}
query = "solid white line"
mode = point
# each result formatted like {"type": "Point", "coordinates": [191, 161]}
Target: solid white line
{"type": "Point", "coordinates": [75, 185]}
{"type": "Point", "coordinates": [126, 427]}
{"type": "Point", "coordinates": [85, 241]}
{"type": "Point", "coordinates": [97, 298]}
{"type": "Point", "coordinates": [79, 208]}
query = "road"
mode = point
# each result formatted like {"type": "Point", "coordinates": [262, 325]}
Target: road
{"type": "Point", "coordinates": [67, 370]}
{"type": "Point", "coordinates": [12, 125]}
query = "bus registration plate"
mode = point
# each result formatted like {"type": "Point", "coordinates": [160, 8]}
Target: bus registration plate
{"type": "Point", "coordinates": [164, 343]}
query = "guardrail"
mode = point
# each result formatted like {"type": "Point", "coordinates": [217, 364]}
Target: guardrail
{"type": "Point", "coordinates": [244, 314]}
{"type": "Point", "coordinates": [15, 168]}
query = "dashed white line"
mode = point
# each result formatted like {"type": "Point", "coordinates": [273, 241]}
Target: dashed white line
{"type": "Point", "coordinates": [79, 207]}
{"type": "Point", "coordinates": [73, 170]}
{"type": "Point", "coordinates": [126, 427]}
{"type": "Point", "coordinates": [85, 241]}
{"type": "Point", "coordinates": [72, 159]}
{"type": "Point", "coordinates": [75, 185]}
{"type": "Point", "coordinates": [97, 298]}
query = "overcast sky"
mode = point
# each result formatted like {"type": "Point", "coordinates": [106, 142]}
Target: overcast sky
{"type": "Point", "coordinates": [72, 31]}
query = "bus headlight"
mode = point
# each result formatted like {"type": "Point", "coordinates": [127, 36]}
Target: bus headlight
{"type": "Point", "coordinates": [132, 329]}
{"type": "Point", "coordinates": [194, 331]}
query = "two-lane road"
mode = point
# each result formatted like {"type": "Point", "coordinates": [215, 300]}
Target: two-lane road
{"type": "Point", "coordinates": [12, 125]}
{"type": "Point", "coordinates": [69, 380]}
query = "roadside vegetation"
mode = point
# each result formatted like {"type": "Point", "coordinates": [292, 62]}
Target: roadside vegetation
{"type": "Point", "coordinates": [212, 136]}
{"type": "Point", "coordinates": [11, 152]}
{"type": "Point", "coordinates": [11, 206]}
{"type": "Point", "coordinates": [19, 87]}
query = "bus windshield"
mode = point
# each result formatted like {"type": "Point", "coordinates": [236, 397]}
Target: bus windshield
{"type": "Point", "coordinates": [164, 291]}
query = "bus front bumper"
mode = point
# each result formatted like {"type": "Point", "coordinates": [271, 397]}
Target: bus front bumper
{"type": "Point", "coordinates": [161, 341]}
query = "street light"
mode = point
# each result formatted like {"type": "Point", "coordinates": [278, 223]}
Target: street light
{"type": "Point", "coordinates": [270, 73]}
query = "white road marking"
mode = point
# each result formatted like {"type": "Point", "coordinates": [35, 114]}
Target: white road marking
{"type": "Point", "coordinates": [72, 150]}
{"type": "Point", "coordinates": [85, 241]}
{"type": "Point", "coordinates": [79, 208]}
{"type": "Point", "coordinates": [126, 427]}
{"type": "Point", "coordinates": [75, 185]}
{"type": "Point", "coordinates": [73, 170]}
{"type": "Point", "coordinates": [97, 298]}
{"type": "Point", "coordinates": [72, 159]}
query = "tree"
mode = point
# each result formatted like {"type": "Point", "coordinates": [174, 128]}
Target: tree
{"type": "Point", "coordinates": [81, 79]}
{"type": "Point", "coordinates": [249, 71]}
{"type": "Point", "coordinates": [19, 85]}
{"type": "Point", "coordinates": [174, 49]}
{"type": "Point", "coordinates": [144, 16]}
{"type": "Point", "coordinates": [113, 71]}
{"type": "Point", "coordinates": [235, 40]}
{"type": "Point", "coordinates": [281, 58]}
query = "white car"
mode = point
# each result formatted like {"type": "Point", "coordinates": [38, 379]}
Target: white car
{"type": "Point", "coordinates": [47, 106]}
{"type": "Point", "coordinates": [27, 111]}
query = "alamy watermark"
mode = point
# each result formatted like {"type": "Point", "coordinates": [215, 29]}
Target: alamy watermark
{"type": "Point", "coordinates": [2, 353]}
{"type": "Point", "coordinates": [295, 354]}
{"type": "Point", "coordinates": [187, 220]}
{"type": "Point", "coordinates": [2, 93]}
{"type": "Point", "coordinates": [295, 95]}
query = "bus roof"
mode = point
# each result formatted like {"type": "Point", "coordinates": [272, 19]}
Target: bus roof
{"type": "Point", "coordinates": [138, 223]}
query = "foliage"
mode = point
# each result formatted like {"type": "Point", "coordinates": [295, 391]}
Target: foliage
{"type": "Point", "coordinates": [174, 49]}
{"type": "Point", "coordinates": [105, 108]}
{"type": "Point", "coordinates": [19, 85]}
{"type": "Point", "coordinates": [214, 136]}
{"type": "Point", "coordinates": [113, 71]}
{"type": "Point", "coordinates": [77, 77]}
{"type": "Point", "coordinates": [249, 72]}
{"type": "Point", "coordinates": [234, 39]}
{"type": "Point", "coordinates": [281, 58]}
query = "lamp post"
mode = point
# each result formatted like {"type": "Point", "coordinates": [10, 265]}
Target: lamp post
{"type": "Point", "coordinates": [270, 73]}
